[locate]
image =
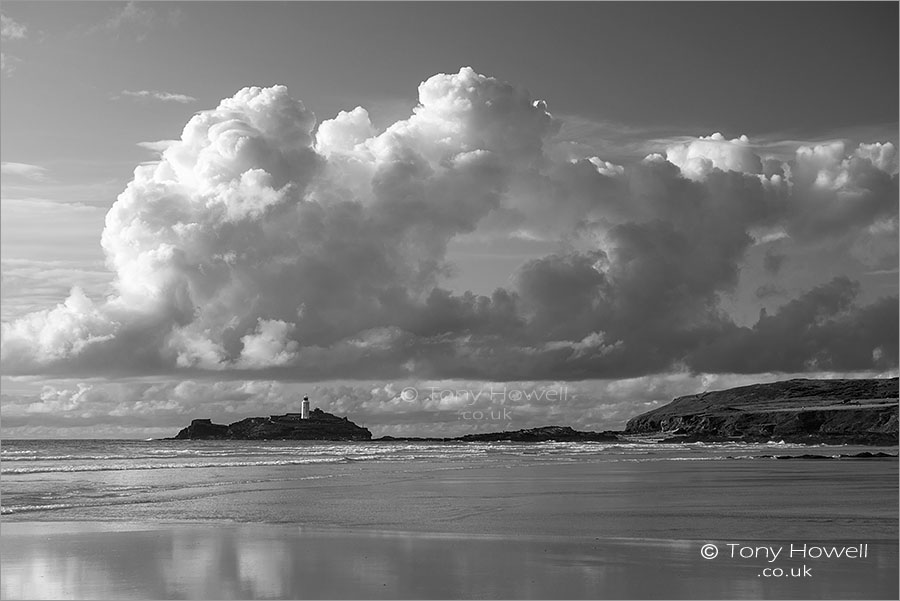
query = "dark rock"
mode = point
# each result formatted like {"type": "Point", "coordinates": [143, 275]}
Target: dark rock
{"type": "Point", "coordinates": [798, 411]}
{"type": "Point", "coordinates": [203, 429]}
{"type": "Point", "coordinates": [862, 455]}
{"type": "Point", "coordinates": [411, 439]}
{"type": "Point", "coordinates": [869, 455]}
{"type": "Point", "coordinates": [804, 456]}
{"type": "Point", "coordinates": [543, 434]}
{"type": "Point", "coordinates": [319, 426]}
{"type": "Point", "coordinates": [546, 433]}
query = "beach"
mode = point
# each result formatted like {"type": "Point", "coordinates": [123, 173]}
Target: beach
{"type": "Point", "coordinates": [241, 561]}
{"type": "Point", "coordinates": [524, 521]}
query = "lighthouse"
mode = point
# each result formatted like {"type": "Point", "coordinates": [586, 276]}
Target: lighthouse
{"type": "Point", "coordinates": [304, 408]}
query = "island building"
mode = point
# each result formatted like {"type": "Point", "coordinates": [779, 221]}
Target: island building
{"type": "Point", "coordinates": [304, 408]}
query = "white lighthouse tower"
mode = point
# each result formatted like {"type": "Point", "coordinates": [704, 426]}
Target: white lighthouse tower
{"type": "Point", "coordinates": [304, 408]}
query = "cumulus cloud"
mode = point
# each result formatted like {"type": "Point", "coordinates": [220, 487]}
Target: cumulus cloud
{"type": "Point", "coordinates": [261, 244]}
{"type": "Point", "coordinates": [155, 95]}
{"type": "Point", "coordinates": [698, 157]}
{"type": "Point", "coordinates": [24, 170]}
{"type": "Point", "coordinates": [836, 190]}
{"type": "Point", "coordinates": [882, 156]}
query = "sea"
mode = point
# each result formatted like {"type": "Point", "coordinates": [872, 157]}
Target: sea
{"type": "Point", "coordinates": [417, 519]}
{"type": "Point", "coordinates": [83, 479]}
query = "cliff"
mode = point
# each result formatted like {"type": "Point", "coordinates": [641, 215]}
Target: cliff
{"type": "Point", "coordinates": [319, 426]}
{"type": "Point", "coordinates": [811, 411]}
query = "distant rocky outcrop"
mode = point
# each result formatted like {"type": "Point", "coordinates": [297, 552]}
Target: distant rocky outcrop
{"type": "Point", "coordinates": [808, 411]}
{"type": "Point", "coordinates": [542, 434]}
{"type": "Point", "coordinates": [815, 457]}
{"type": "Point", "coordinates": [319, 426]}
{"type": "Point", "coordinates": [546, 433]}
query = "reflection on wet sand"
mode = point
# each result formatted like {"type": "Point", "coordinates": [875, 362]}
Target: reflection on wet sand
{"type": "Point", "coordinates": [88, 560]}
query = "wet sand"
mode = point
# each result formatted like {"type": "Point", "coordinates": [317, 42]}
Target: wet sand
{"type": "Point", "coordinates": [214, 561]}
{"type": "Point", "coordinates": [542, 530]}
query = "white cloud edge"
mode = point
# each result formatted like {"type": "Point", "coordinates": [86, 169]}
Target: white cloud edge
{"type": "Point", "coordinates": [158, 95]}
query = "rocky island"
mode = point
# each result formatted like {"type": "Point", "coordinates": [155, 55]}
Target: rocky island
{"type": "Point", "coordinates": [316, 425]}
{"type": "Point", "coordinates": [802, 411]}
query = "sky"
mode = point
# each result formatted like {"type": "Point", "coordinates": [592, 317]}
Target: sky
{"type": "Point", "coordinates": [438, 218]}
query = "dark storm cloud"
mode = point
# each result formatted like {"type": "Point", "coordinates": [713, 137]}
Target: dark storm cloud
{"type": "Point", "coordinates": [820, 330]}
